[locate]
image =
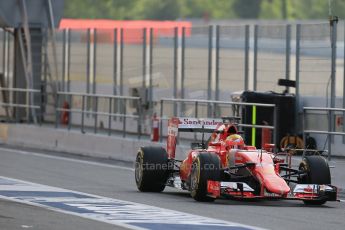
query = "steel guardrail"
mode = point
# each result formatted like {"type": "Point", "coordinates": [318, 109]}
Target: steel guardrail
{"type": "Point", "coordinates": [28, 106]}
{"type": "Point", "coordinates": [95, 98]}
{"type": "Point", "coordinates": [330, 132]}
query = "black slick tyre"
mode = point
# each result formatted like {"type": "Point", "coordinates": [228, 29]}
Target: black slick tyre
{"type": "Point", "coordinates": [151, 169]}
{"type": "Point", "coordinates": [316, 172]}
{"type": "Point", "coordinates": [206, 166]}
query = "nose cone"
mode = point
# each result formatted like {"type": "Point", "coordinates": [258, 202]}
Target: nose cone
{"type": "Point", "coordinates": [265, 172]}
{"type": "Point", "coordinates": [270, 180]}
{"type": "Point", "coordinates": [276, 184]}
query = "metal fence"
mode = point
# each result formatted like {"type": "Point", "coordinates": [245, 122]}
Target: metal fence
{"type": "Point", "coordinates": [206, 62]}
{"type": "Point", "coordinates": [272, 50]}
{"type": "Point", "coordinates": [163, 63]}
{"type": "Point", "coordinates": [315, 59]}
{"type": "Point", "coordinates": [11, 108]}
{"type": "Point", "coordinates": [231, 60]}
{"type": "Point", "coordinates": [331, 120]}
{"type": "Point", "coordinates": [105, 62]}
{"type": "Point", "coordinates": [196, 63]}
{"type": "Point", "coordinates": [72, 111]}
{"type": "Point", "coordinates": [78, 63]}
{"type": "Point", "coordinates": [133, 62]}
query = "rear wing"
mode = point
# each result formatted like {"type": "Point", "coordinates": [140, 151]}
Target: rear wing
{"type": "Point", "coordinates": [187, 124]}
{"type": "Point", "coordinates": [209, 125]}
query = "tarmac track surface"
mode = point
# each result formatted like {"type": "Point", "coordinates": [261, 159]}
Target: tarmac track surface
{"type": "Point", "coordinates": [115, 180]}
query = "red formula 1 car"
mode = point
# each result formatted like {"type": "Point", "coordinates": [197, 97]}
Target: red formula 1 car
{"type": "Point", "coordinates": [227, 167]}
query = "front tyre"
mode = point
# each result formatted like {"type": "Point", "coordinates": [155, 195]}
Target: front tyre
{"type": "Point", "coordinates": [151, 169]}
{"type": "Point", "coordinates": [316, 172]}
{"type": "Point", "coordinates": [206, 166]}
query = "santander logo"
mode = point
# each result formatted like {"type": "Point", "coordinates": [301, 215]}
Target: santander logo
{"type": "Point", "coordinates": [194, 121]}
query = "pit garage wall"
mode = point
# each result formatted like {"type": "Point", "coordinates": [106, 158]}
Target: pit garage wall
{"type": "Point", "coordinates": [95, 145]}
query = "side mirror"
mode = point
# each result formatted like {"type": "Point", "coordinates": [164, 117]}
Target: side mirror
{"type": "Point", "coordinates": [214, 144]}
{"type": "Point", "coordinates": [269, 147]}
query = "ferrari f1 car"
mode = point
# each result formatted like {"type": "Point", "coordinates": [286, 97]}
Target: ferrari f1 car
{"type": "Point", "coordinates": [227, 167]}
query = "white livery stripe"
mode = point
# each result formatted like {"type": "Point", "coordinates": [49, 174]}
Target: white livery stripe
{"type": "Point", "coordinates": [113, 211]}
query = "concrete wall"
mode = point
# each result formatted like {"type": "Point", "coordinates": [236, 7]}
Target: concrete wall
{"type": "Point", "coordinates": [95, 145]}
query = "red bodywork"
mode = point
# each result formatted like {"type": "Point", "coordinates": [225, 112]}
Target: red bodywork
{"type": "Point", "coordinates": [264, 166]}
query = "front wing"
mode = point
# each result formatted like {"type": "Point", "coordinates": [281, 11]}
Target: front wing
{"type": "Point", "coordinates": [299, 192]}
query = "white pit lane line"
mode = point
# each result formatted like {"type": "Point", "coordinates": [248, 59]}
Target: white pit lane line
{"type": "Point", "coordinates": [112, 211]}
{"type": "Point", "coordinates": [103, 209]}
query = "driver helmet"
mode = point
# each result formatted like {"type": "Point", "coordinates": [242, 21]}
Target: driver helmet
{"type": "Point", "coordinates": [235, 141]}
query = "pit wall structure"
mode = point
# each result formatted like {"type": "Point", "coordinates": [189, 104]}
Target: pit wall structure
{"type": "Point", "coordinates": [75, 142]}
{"type": "Point", "coordinates": [93, 145]}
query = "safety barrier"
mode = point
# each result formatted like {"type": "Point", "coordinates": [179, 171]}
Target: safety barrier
{"type": "Point", "coordinates": [235, 107]}
{"type": "Point", "coordinates": [116, 107]}
{"type": "Point", "coordinates": [330, 112]}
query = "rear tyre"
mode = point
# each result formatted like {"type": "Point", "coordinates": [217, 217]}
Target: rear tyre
{"type": "Point", "coordinates": [151, 169]}
{"type": "Point", "coordinates": [206, 166]}
{"type": "Point", "coordinates": [317, 172]}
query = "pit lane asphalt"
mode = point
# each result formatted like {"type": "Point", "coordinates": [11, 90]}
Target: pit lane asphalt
{"type": "Point", "coordinates": [15, 216]}
{"type": "Point", "coordinates": [114, 179]}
